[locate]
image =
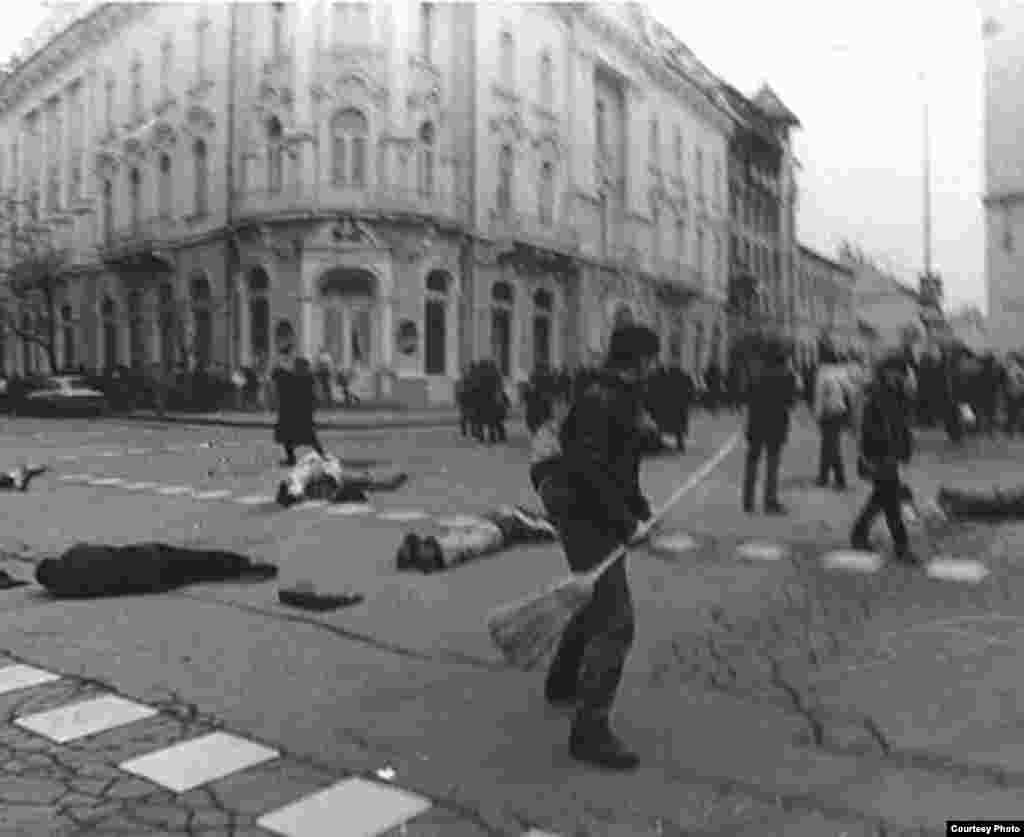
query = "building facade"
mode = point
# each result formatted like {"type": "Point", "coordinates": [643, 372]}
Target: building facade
{"type": "Point", "coordinates": [404, 186]}
{"type": "Point", "coordinates": [887, 309]}
{"type": "Point", "coordinates": [824, 306]}
{"type": "Point", "coordinates": [1004, 176]}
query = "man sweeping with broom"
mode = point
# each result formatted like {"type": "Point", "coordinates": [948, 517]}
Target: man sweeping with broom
{"type": "Point", "coordinates": [594, 499]}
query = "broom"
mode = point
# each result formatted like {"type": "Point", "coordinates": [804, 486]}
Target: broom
{"type": "Point", "coordinates": [527, 630]}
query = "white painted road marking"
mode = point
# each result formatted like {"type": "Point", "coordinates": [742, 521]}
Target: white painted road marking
{"type": "Point", "coordinates": [139, 486]}
{"type": "Point", "coordinates": [403, 516]}
{"type": "Point", "coordinates": [461, 521]}
{"type": "Point", "coordinates": [760, 551]}
{"type": "Point", "coordinates": [107, 481]}
{"type": "Point", "coordinates": [351, 808]}
{"type": "Point", "coordinates": [174, 490]}
{"type": "Point", "coordinates": [350, 509]}
{"type": "Point", "coordinates": [253, 500]}
{"type": "Point", "coordinates": [952, 569]}
{"type": "Point", "coordinates": [211, 495]}
{"type": "Point", "coordinates": [673, 542]}
{"type": "Point", "coordinates": [853, 559]}
{"type": "Point", "coordinates": [87, 717]}
{"type": "Point", "coordinates": [15, 677]}
{"type": "Point", "coordinates": [193, 763]}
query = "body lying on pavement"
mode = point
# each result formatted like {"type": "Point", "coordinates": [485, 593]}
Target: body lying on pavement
{"type": "Point", "coordinates": [318, 477]}
{"type": "Point", "coordinates": [90, 570]}
{"type": "Point", "coordinates": [19, 478]}
{"type": "Point", "coordinates": [490, 534]}
{"type": "Point", "coordinates": [993, 504]}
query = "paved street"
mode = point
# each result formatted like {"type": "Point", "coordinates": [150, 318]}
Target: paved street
{"type": "Point", "coordinates": [767, 694]}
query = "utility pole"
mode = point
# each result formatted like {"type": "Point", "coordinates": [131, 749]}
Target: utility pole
{"type": "Point", "coordinates": [927, 181]}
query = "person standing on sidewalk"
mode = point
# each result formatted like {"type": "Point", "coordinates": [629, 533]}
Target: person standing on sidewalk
{"type": "Point", "coordinates": [833, 402]}
{"type": "Point", "coordinates": [594, 499]}
{"type": "Point", "coordinates": [885, 443]}
{"type": "Point", "coordinates": [772, 396]}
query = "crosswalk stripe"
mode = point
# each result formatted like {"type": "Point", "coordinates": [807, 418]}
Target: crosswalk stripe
{"type": "Point", "coordinates": [350, 807]}
{"type": "Point", "coordinates": [174, 490]}
{"type": "Point", "coordinates": [350, 509]}
{"type": "Point", "coordinates": [107, 481]}
{"type": "Point", "coordinates": [851, 559]}
{"type": "Point", "coordinates": [188, 765]}
{"type": "Point", "coordinates": [211, 495]}
{"type": "Point", "coordinates": [253, 500]}
{"type": "Point", "coordinates": [88, 717]}
{"type": "Point", "coordinates": [761, 551]}
{"type": "Point", "coordinates": [18, 676]}
{"type": "Point", "coordinates": [312, 504]}
{"type": "Point", "coordinates": [139, 486]}
{"type": "Point", "coordinates": [401, 516]}
{"type": "Point", "coordinates": [953, 569]}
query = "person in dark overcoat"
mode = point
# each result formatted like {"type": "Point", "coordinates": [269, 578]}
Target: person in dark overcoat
{"type": "Point", "coordinates": [295, 391]}
{"type": "Point", "coordinates": [772, 396]}
{"type": "Point", "coordinates": [592, 494]}
{"type": "Point", "coordinates": [885, 444]}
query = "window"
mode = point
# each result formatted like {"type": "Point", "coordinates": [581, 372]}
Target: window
{"type": "Point", "coordinates": [27, 346]}
{"type": "Point", "coordinates": [546, 80]}
{"type": "Point", "coordinates": [136, 331]}
{"type": "Point", "coordinates": [435, 324]}
{"type": "Point", "coordinates": [108, 210]}
{"type": "Point", "coordinates": [543, 308]}
{"type": "Point", "coordinates": [604, 211]}
{"type": "Point", "coordinates": [654, 141]}
{"type": "Point", "coordinates": [427, 11]}
{"type": "Point", "coordinates": [277, 31]}
{"type": "Point", "coordinates": [108, 102]}
{"type": "Point", "coordinates": [546, 192]}
{"type": "Point", "coordinates": [76, 176]}
{"type": "Point", "coordinates": [681, 241]}
{"type": "Point", "coordinates": [427, 160]}
{"type": "Point", "coordinates": [656, 233]}
{"type": "Point", "coordinates": [108, 313]}
{"type": "Point", "coordinates": [166, 66]}
{"type": "Point", "coordinates": [67, 336]}
{"type": "Point", "coordinates": [351, 23]}
{"type": "Point", "coordinates": [135, 183]}
{"type": "Point", "coordinates": [679, 152]}
{"type": "Point", "coordinates": [53, 188]}
{"type": "Point", "coordinates": [166, 187]}
{"type": "Point", "coordinates": [168, 318]}
{"type": "Point", "coordinates": [716, 260]}
{"type": "Point", "coordinates": [699, 173]}
{"type": "Point", "coordinates": [202, 28]}
{"type": "Point", "coordinates": [701, 265]}
{"type": "Point", "coordinates": [202, 321]}
{"type": "Point", "coordinates": [505, 174]}
{"type": "Point", "coordinates": [600, 135]}
{"type": "Point", "coordinates": [275, 159]}
{"type": "Point", "coordinates": [349, 132]}
{"type": "Point", "coordinates": [501, 327]}
{"type": "Point", "coordinates": [137, 109]}
{"type": "Point", "coordinates": [508, 60]}
{"type": "Point", "coordinates": [719, 185]}
{"type": "Point", "coordinates": [201, 175]}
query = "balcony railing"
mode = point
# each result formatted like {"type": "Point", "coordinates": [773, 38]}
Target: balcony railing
{"type": "Point", "coordinates": [441, 203]}
{"type": "Point", "coordinates": [147, 234]}
{"type": "Point", "coordinates": [533, 229]}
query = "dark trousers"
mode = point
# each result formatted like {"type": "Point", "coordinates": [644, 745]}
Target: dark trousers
{"type": "Point", "coordinates": [1013, 405]}
{"type": "Point", "coordinates": [314, 442]}
{"type": "Point", "coordinates": [593, 649]}
{"type": "Point", "coordinates": [831, 457]}
{"type": "Point", "coordinates": [886, 498]}
{"type": "Point", "coordinates": [772, 452]}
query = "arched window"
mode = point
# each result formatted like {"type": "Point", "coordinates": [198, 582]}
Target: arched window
{"type": "Point", "coordinates": [275, 159]}
{"type": "Point", "coordinates": [108, 210]}
{"type": "Point", "coordinates": [136, 330]}
{"type": "Point", "coordinates": [546, 80]}
{"type": "Point", "coordinates": [201, 175]}
{"type": "Point", "coordinates": [67, 336]}
{"type": "Point", "coordinates": [166, 187]}
{"type": "Point", "coordinates": [27, 346]}
{"type": "Point", "coordinates": [505, 175]}
{"type": "Point", "coordinates": [202, 319]}
{"type": "Point", "coordinates": [681, 241]}
{"type": "Point", "coordinates": [349, 134]}
{"type": "Point", "coordinates": [543, 309]}
{"type": "Point", "coordinates": [259, 314]}
{"type": "Point", "coordinates": [508, 60]}
{"type": "Point", "coordinates": [546, 193]}
{"type": "Point", "coordinates": [427, 160]}
{"type": "Point", "coordinates": [108, 313]}
{"type": "Point", "coordinates": [136, 197]}
{"type": "Point", "coordinates": [168, 318]}
{"type": "Point", "coordinates": [435, 324]}
{"type": "Point", "coordinates": [501, 326]}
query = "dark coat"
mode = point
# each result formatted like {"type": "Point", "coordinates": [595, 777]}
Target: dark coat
{"type": "Point", "coordinates": [885, 438]}
{"type": "Point", "coordinates": [771, 398]}
{"type": "Point", "coordinates": [602, 447]}
{"type": "Point", "coordinates": [296, 400]}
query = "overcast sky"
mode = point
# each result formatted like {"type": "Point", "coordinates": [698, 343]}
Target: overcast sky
{"type": "Point", "coordinates": [850, 72]}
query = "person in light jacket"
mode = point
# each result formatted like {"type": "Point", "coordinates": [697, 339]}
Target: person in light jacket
{"type": "Point", "coordinates": [833, 407]}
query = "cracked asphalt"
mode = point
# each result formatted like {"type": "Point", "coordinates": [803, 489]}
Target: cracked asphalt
{"type": "Point", "coordinates": [765, 697]}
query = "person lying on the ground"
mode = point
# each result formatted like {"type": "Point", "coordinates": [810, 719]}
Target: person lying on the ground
{"type": "Point", "coordinates": [325, 478]}
{"type": "Point", "coordinates": [19, 478]}
{"type": "Point", "coordinates": [493, 532]}
{"type": "Point", "coordinates": [92, 570]}
{"type": "Point", "coordinates": [994, 504]}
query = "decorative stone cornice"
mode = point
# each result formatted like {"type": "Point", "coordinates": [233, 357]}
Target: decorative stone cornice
{"type": "Point", "coordinates": [81, 36]}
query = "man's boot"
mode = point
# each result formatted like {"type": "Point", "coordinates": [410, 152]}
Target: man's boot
{"type": "Point", "coordinates": [592, 742]}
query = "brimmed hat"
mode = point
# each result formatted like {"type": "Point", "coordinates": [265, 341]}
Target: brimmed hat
{"type": "Point", "coordinates": [632, 344]}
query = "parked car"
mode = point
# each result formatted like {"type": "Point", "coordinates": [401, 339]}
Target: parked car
{"type": "Point", "coordinates": [65, 395]}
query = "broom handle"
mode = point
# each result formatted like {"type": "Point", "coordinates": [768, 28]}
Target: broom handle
{"type": "Point", "coordinates": [690, 482]}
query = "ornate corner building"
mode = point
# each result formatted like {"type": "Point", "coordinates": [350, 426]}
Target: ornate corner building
{"type": "Point", "coordinates": [405, 186]}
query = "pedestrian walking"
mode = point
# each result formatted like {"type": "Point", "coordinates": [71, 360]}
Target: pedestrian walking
{"type": "Point", "coordinates": [1013, 384]}
{"type": "Point", "coordinates": [713, 385]}
{"type": "Point", "coordinates": [833, 406]}
{"type": "Point", "coordinates": [295, 393]}
{"type": "Point", "coordinates": [593, 496]}
{"type": "Point", "coordinates": [885, 444]}
{"type": "Point", "coordinates": [325, 376]}
{"type": "Point", "coordinates": [772, 396]}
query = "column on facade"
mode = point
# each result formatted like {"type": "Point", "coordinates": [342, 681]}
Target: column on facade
{"type": "Point", "coordinates": [304, 62]}
{"type": "Point", "coordinates": [387, 328]}
{"type": "Point", "coordinates": [306, 296]}
{"type": "Point", "coordinates": [67, 144]}
{"type": "Point", "coordinates": [581, 91]}
{"type": "Point", "coordinates": [43, 158]}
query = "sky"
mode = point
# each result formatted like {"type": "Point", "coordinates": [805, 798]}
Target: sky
{"type": "Point", "coordinates": [850, 72]}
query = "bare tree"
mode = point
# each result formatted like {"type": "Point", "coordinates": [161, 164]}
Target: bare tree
{"type": "Point", "coordinates": [34, 286]}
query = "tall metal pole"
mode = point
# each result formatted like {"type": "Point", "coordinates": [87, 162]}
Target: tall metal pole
{"type": "Point", "coordinates": [927, 182]}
